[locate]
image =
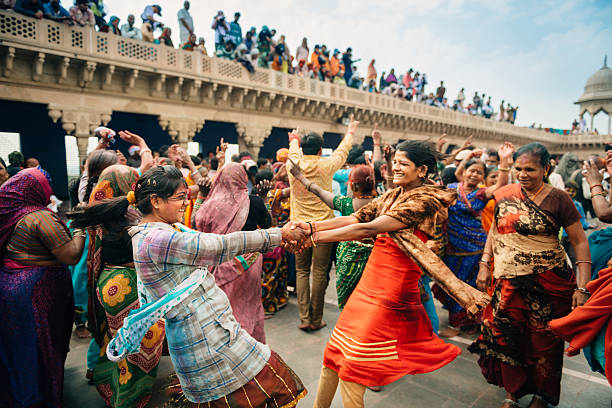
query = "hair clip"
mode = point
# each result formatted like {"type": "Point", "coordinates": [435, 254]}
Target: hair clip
{"type": "Point", "coordinates": [154, 182]}
{"type": "Point", "coordinates": [149, 181]}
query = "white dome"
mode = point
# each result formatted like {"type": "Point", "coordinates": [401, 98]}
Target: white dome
{"type": "Point", "coordinates": [599, 85]}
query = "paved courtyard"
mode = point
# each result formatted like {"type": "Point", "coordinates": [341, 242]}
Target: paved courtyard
{"type": "Point", "coordinates": [457, 385]}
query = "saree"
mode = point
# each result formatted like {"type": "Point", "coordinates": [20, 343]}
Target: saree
{"type": "Point", "coordinates": [351, 257]}
{"type": "Point", "coordinates": [588, 326]}
{"type": "Point", "coordinates": [226, 210]}
{"type": "Point", "coordinates": [466, 241]}
{"type": "Point", "coordinates": [113, 293]}
{"type": "Point", "coordinates": [36, 302]}
{"type": "Point", "coordinates": [534, 285]}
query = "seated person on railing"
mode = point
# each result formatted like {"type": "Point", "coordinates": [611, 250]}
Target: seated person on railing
{"type": "Point", "coordinates": [226, 51]}
{"type": "Point", "coordinates": [165, 38]}
{"type": "Point", "coordinates": [54, 11]}
{"type": "Point", "coordinates": [31, 8]}
{"type": "Point", "coordinates": [7, 4]}
{"type": "Point", "coordinates": [81, 14]}
{"type": "Point", "coordinates": [191, 43]}
{"type": "Point", "coordinates": [128, 29]}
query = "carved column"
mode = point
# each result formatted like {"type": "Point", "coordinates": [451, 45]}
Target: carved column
{"type": "Point", "coordinates": [80, 122]}
{"type": "Point", "coordinates": [251, 137]}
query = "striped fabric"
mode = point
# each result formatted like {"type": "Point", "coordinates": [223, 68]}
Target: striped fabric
{"type": "Point", "coordinates": [35, 236]}
{"type": "Point", "coordinates": [358, 351]}
{"type": "Point", "coordinates": [211, 354]}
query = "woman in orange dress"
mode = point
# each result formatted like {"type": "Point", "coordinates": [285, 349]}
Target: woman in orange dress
{"type": "Point", "coordinates": [383, 332]}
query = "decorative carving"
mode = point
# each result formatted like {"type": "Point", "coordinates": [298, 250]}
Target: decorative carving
{"type": "Point", "coordinates": [87, 73]}
{"type": "Point", "coordinates": [131, 80]}
{"type": "Point", "coordinates": [108, 76]}
{"type": "Point", "coordinates": [38, 66]}
{"type": "Point", "coordinates": [8, 61]}
{"type": "Point", "coordinates": [55, 114]}
{"type": "Point", "coordinates": [63, 70]}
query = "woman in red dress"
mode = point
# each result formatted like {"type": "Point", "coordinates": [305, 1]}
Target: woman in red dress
{"type": "Point", "coordinates": [383, 332]}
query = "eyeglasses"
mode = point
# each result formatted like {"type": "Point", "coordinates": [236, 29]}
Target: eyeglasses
{"type": "Point", "coordinates": [181, 197]}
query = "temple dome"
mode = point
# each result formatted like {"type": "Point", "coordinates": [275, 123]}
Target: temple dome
{"type": "Point", "coordinates": [599, 85]}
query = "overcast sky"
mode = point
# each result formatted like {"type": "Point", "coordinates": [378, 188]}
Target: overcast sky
{"type": "Point", "coordinates": [534, 54]}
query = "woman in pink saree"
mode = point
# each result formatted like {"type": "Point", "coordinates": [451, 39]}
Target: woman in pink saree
{"type": "Point", "coordinates": [230, 208]}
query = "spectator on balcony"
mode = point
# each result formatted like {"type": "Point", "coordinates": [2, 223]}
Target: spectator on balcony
{"type": "Point", "coordinates": [191, 43]}
{"type": "Point", "coordinates": [128, 30]}
{"type": "Point", "coordinates": [382, 82]}
{"type": "Point", "coordinates": [6, 4]}
{"type": "Point", "coordinates": [202, 46]}
{"type": "Point", "coordinates": [440, 92]}
{"type": "Point", "coordinates": [31, 8]}
{"type": "Point", "coordinates": [97, 8]}
{"type": "Point", "coordinates": [502, 111]}
{"type": "Point", "coordinates": [113, 25]}
{"type": "Point", "coordinates": [249, 40]}
{"type": "Point", "coordinates": [391, 78]}
{"type": "Point", "coordinates": [407, 80]}
{"type": "Point", "coordinates": [487, 109]}
{"type": "Point", "coordinates": [476, 100]}
{"type": "Point", "coordinates": [149, 24]}
{"type": "Point", "coordinates": [461, 97]}
{"type": "Point", "coordinates": [81, 14]}
{"type": "Point", "coordinates": [221, 29]}
{"type": "Point", "coordinates": [54, 11]}
{"type": "Point", "coordinates": [185, 22]}
{"type": "Point", "coordinates": [371, 72]}
{"type": "Point", "coordinates": [314, 60]}
{"type": "Point", "coordinates": [235, 31]}
{"type": "Point", "coordinates": [241, 56]}
{"type": "Point", "coordinates": [301, 53]}
{"type": "Point", "coordinates": [334, 63]}
{"type": "Point", "coordinates": [302, 69]}
{"type": "Point", "coordinates": [226, 51]}
{"type": "Point", "coordinates": [165, 38]}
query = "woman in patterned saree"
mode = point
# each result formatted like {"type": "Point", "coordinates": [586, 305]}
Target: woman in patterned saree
{"type": "Point", "coordinates": [36, 301]}
{"type": "Point", "coordinates": [351, 256]}
{"type": "Point", "coordinates": [217, 362]}
{"type": "Point", "coordinates": [466, 236]}
{"type": "Point", "coordinates": [113, 292]}
{"type": "Point", "coordinates": [534, 283]}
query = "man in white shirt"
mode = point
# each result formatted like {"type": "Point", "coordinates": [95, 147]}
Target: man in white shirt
{"type": "Point", "coordinates": [185, 23]}
{"type": "Point", "coordinates": [221, 28]}
{"type": "Point", "coordinates": [128, 30]}
{"type": "Point", "coordinates": [149, 24]}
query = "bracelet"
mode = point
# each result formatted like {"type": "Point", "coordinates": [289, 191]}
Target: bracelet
{"type": "Point", "coordinates": [79, 232]}
{"type": "Point", "coordinates": [503, 168]}
{"type": "Point", "coordinates": [596, 185]}
{"type": "Point", "coordinates": [484, 263]}
{"type": "Point", "coordinates": [587, 262]}
{"type": "Point", "coordinates": [310, 225]}
{"type": "Point", "coordinates": [145, 150]}
{"type": "Point", "coordinates": [599, 193]}
{"type": "Point", "coordinates": [582, 290]}
{"type": "Point", "coordinates": [313, 242]}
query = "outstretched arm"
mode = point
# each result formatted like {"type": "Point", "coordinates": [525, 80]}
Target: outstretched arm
{"type": "Point", "coordinates": [324, 195]}
{"type": "Point", "coordinates": [359, 230]}
{"type": "Point", "coordinates": [505, 161]}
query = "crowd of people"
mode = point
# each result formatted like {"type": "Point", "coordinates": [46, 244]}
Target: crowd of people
{"type": "Point", "coordinates": [264, 49]}
{"type": "Point", "coordinates": [193, 252]}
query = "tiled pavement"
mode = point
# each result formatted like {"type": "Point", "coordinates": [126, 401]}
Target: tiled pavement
{"type": "Point", "coordinates": [457, 385]}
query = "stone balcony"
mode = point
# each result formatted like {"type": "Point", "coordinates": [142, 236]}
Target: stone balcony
{"type": "Point", "coordinates": [84, 75]}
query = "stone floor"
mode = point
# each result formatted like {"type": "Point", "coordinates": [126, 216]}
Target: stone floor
{"type": "Point", "coordinates": [456, 385]}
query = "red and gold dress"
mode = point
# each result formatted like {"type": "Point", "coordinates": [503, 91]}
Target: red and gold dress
{"type": "Point", "coordinates": [383, 332]}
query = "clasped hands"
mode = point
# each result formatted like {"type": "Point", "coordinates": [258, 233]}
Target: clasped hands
{"type": "Point", "coordinates": [297, 236]}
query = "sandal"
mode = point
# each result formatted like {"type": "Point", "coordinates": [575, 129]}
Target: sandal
{"type": "Point", "coordinates": [511, 402]}
{"type": "Point", "coordinates": [305, 326]}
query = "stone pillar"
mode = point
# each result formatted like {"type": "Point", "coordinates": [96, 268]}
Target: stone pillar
{"type": "Point", "coordinates": [181, 130]}
{"type": "Point", "coordinates": [80, 122]}
{"type": "Point", "coordinates": [251, 137]}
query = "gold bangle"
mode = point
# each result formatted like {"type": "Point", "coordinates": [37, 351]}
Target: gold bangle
{"type": "Point", "coordinates": [587, 262]}
{"type": "Point", "coordinates": [599, 193]}
{"type": "Point", "coordinates": [503, 168]}
{"type": "Point", "coordinates": [312, 240]}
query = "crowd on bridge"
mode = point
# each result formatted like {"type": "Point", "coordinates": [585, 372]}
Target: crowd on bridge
{"type": "Point", "coordinates": [265, 50]}
{"type": "Point", "coordinates": [192, 252]}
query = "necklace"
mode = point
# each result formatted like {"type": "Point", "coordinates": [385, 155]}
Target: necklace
{"type": "Point", "coordinates": [532, 198]}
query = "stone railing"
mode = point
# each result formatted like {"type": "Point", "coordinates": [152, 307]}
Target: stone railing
{"type": "Point", "coordinates": [45, 36]}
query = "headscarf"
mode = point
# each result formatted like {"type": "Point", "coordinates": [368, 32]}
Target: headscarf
{"type": "Point", "coordinates": [225, 210]}
{"type": "Point", "coordinates": [568, 164]}
{"type": "Point", "coordinates": [280, 184]}
{"type": "Point", "coordinates": [282, 155]}
{"type": "Point", "coordinates": [26, 192]}
{"type": "Point", "coordinates": [115, 181]}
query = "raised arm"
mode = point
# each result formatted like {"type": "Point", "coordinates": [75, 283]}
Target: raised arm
{"type": "Point", "coordinates": [146, 156]}
{"type": "Point", "coordinates": [324, 195]}
{"type": "Point", "coordinates": [602, 207]}
{"type": "Point", "coordinates": [341, 153]}
{"type": "Point", "coordinates": [377, 139]}
{"type": "Point", "coordinates": [451, 157]}
{"type": "Point", "coordinates": [505, 161]}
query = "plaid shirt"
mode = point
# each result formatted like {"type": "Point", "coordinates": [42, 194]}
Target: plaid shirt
{"type": "Point", "coordinates": [211, 354]}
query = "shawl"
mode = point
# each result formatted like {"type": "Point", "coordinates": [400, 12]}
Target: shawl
{"type": "Point", "coordinates": [600, 244]}
{"type": "Point", "coordinates": [584, 323]}
{"type": "Point", "coordinates": [225, 210]}
{"type": "Point", "coordinates": [26, 192]}
{"type": "Point", "coordinates": [423, 208]}
{"type": "Point", "coordinates": [371, 71]}
{"type": "Point", "coordinates": [115, 181]}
